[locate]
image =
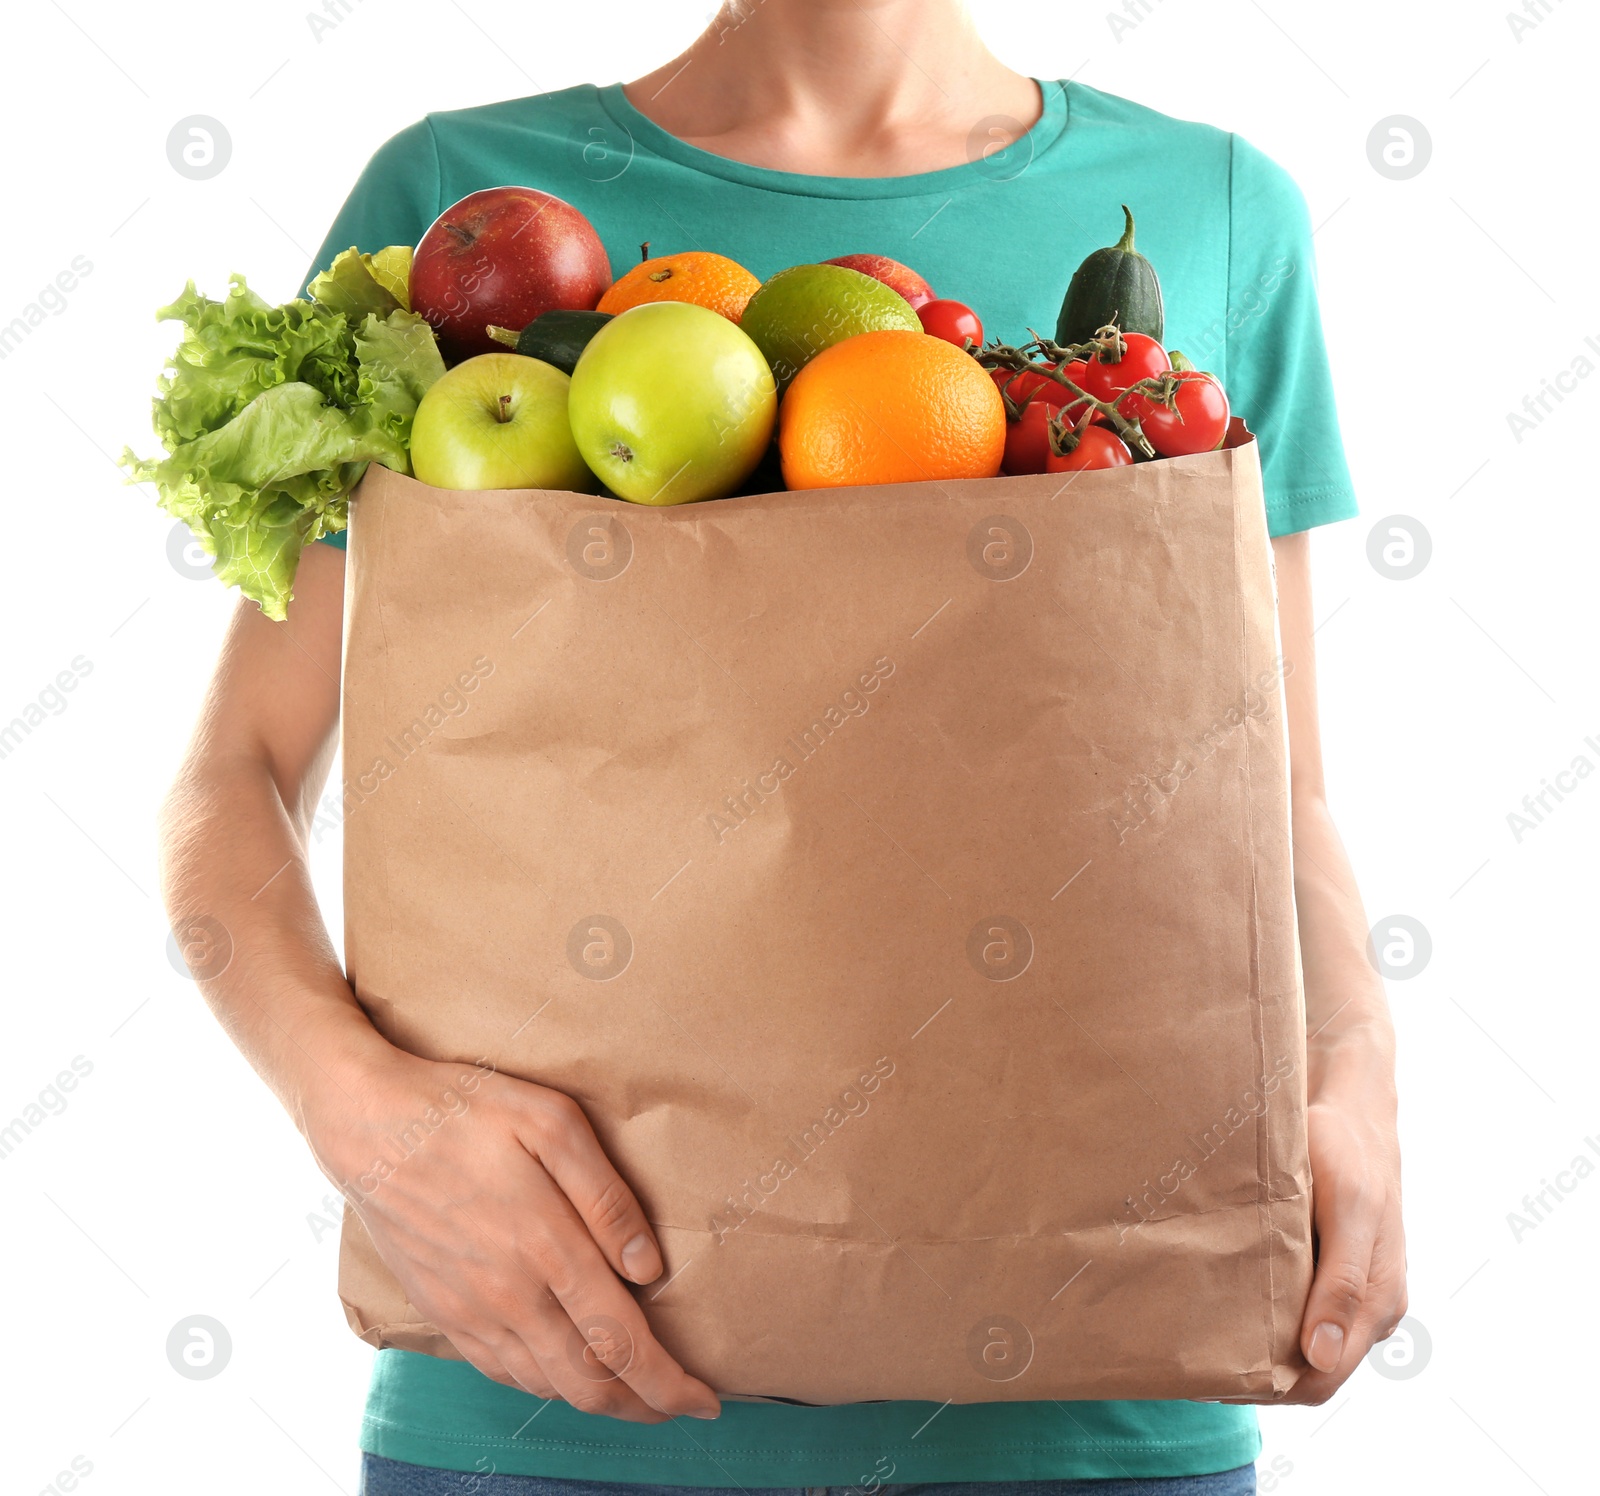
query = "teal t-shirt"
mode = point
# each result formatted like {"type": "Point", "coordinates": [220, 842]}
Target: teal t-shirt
{"type": "Point", "coordinates": [1228, 232]}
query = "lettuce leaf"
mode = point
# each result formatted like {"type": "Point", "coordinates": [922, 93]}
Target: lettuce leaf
{"type": "Point", "coordinates": [356, 284]}
{"type": "Point", "coordinates": [396, 360]}
{"type": "Point", "coordinates": [270, 415]}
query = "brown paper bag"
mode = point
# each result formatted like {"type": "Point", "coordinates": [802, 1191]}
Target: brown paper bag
{"type": "Point", "coordinates": [900, 879]}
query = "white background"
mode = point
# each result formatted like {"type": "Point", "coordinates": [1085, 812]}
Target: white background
{"type": "Point", "coordinates": [171, 1185]}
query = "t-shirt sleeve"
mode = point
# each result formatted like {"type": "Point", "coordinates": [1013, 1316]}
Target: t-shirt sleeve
{"type": "Point", "coordinates": [1277, 361]}
{"type": "Point", "coordinates": [393, 202]}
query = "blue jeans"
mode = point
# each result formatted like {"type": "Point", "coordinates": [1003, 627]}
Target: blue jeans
{"type": "Point", "coordinates": [390, 1478]}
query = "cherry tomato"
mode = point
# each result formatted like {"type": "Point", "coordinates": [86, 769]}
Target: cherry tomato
{"type": "Point", "coordinates": [953, 321]}
{"type": "Point", "coordinates": [1142, 358]}
{"type": "Point", "coordinates": [1075, 371]}
{"type": "Point", "coordinates": [1040, 387]}
{"type": "Point", "coordinates": [1028, 438]}
{"type": "Point", "coordinates": [1021, 385]}
{"type": "Point", "coordinates": [1097, 448]}
{"type": "Point", "coordinates": [1199, 422]}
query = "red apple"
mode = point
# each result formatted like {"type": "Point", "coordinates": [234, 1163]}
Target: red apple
{"type": "Point", "coordinates": [500, 257]}
{"type": "Point", "coordinates": [901, 278]}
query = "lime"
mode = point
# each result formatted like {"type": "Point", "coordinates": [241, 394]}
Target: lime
{"type": "Point", "coordinates": [802, 310]}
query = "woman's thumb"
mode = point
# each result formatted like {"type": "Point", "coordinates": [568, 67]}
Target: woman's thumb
{"type": "Point", "coordinates": [1337, 1292]}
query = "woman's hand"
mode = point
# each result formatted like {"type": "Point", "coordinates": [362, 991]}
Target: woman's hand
{"type": "Point", "coordinates": [1359, 1292]}
{"type": "Point", "coordinates": [491, 1201]}
{"type": "Point", "coordinates": [1358, 1295]}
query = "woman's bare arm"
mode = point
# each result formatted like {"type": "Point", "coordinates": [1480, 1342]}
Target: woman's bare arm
{"type": "Point", "coordinates": [1359, 1293]}
{"type": "Point", "coordinates": [510, 1227]}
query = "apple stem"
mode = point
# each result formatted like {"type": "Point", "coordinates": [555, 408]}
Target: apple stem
{"type": "Point", "coordinates": [503, 414]}
{"type": "Point", "coordinates": [464, 235]}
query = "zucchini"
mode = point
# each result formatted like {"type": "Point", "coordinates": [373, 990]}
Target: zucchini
{"type": "Point", "coordinates": [557, 336]}
{"type": "Point", "coordinates": [1118, 284]}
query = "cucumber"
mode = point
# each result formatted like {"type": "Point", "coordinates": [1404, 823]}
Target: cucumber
{"type": "Point", "coordinates": [557, 336]}
{"type": "Point", "coordinates": [1115, 282]}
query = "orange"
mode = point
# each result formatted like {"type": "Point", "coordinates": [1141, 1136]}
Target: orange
{"type": "Point", "coordinates": [890, 407]}
{"type": "Point", "coordinates": [696, 276]}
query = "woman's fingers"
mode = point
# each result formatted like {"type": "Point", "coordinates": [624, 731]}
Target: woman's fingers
{"type": "Point", "coordinates": [495, 1304]}
{"type": "Point", "coordinates": [482, 1358]}
{"type": "Point", "coordinates": [509, 1232]}
{"type": "Point", "coordinates": [559, 1135]}
{"type": "Point", "coordinates": [606, 1339]}
{"type": "Point", "coordinates": [554, 1302]}
{"type": "Point", "coordinates": [1358, 1290]}
{"type": "Point", "coordinates": [549, 1336]}
{"type": "Point", "coordinates": [1338, 1293]}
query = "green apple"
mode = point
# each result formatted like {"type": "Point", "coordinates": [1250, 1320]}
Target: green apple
{"type": "Point", "coordinates": [671, 403]}
{"type": "Point", "coordinates": [498, 421]}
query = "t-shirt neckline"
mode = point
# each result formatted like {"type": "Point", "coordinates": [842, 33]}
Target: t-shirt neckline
{"type": "Point", "coordinates": [997, 166]}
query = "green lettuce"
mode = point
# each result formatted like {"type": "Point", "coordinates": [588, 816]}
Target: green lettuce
{"type": "Point", "coordinates": [356, 284]}
{"type": "Point", "coordinates": [269, 415]}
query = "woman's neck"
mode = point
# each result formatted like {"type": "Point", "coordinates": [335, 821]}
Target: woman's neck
{"type": "Point", "coordinates": [840, 87]}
